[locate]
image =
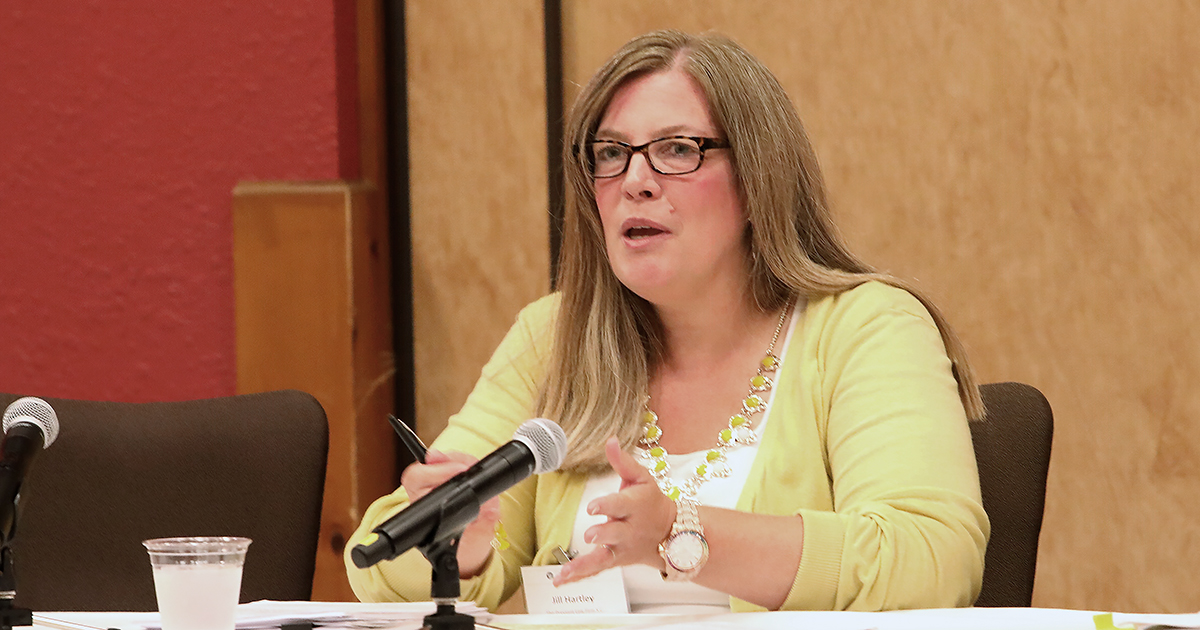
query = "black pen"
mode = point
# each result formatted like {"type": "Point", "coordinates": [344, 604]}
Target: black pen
{"type": "Point", "coordinates": [410, 438]}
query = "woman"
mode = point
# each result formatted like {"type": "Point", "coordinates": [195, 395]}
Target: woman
{"type": "Point", "coordinates": [756, 419]}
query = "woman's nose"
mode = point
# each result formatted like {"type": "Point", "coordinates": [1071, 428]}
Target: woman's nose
{"type": "Point", "coordinates": [639, 179]}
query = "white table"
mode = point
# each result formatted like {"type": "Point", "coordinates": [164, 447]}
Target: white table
{"type": "Point", "coordinates": [947, 619]}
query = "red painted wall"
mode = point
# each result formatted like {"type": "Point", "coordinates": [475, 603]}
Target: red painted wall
{"type": "Point", "coordinates": [123, 129]}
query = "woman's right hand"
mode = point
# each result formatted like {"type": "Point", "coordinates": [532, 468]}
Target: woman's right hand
{"type": "Point", "coordinates": [419, 480]}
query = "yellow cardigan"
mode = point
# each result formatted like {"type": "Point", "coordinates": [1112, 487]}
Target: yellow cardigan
{"type": "Point", "coordinates": [868, 442]}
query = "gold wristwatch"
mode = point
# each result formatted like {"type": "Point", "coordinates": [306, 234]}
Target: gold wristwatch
{"type": "Point", "coordinates": [685, 550]}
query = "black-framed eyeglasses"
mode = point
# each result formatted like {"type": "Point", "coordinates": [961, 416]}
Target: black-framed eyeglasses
{"type": "Point", "coordinates": [673, 155]}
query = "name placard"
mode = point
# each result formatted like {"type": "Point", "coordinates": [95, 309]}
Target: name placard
{"type": "Point", "coordinates": [603, 593]}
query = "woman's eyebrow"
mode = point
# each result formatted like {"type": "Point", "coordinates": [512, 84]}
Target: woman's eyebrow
{"type": "Point", "coordinates": [664, 132]}
{"type": "Point", "coordinates": [610, 134]}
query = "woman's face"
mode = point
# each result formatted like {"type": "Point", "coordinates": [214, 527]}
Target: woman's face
{"type": "Point", "coordinates": [670, 238]}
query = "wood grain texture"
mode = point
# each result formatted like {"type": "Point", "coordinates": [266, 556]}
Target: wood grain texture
{"type": "Point", "coordinates": [479, 192]}
{"type": "Point", "coordinates": [313, 313]}
{"type": "Point", "coordinates": [1034, 166]}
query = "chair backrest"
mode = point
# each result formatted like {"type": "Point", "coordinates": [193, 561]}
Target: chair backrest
{"type": "Point", "coordinates": [120, 473]}
{"type": "Point", "coordinates": [1012, 448]}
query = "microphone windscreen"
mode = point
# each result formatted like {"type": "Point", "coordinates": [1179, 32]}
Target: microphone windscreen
{"type": "Point", "coordinates": [34, 411]}
{"type": "Point", "coordinates": [547, 441]}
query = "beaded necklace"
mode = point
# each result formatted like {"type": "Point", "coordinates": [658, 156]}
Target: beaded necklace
{"type": "Point", "coordinates": [739, 432]}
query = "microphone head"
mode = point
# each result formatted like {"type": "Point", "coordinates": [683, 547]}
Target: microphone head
{"type": "Point", "coordinates": [37, 412]}
{"type": "Point", "coordinates": [547, 441]}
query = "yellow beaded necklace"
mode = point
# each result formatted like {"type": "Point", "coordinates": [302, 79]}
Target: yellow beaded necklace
{"type": "Point", "coordinates": [739, 432]}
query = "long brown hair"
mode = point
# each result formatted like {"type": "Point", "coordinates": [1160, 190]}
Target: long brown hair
{"type": "Point", "coordinates": [608, 340]}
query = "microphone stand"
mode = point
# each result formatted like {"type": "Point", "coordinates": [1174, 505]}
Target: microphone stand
{"type": "Point", "coordinates": [443, 557]}
{"type": "Point", "coordinates": [10, 615]}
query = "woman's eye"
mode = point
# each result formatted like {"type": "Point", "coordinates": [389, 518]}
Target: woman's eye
{"type": "Point", "coordinates": [607, 152]}
{"type": "Point", "coordinates": [680, 148]}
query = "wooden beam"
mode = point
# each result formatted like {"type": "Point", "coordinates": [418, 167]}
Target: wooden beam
{"type": "Point", "coordinates": [311, 282]}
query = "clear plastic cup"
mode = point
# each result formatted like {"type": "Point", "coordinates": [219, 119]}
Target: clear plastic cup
{"type": "Point", "coordinates": [197, 580]}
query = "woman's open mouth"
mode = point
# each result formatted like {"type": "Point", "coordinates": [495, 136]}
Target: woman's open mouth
{"type": "Point", "coordinates": [636, 230]}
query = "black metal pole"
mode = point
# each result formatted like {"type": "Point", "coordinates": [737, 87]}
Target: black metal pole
{"type": "Point", "coordinates": [396, 170]}
{"type": "Point", "coordinates": [552, 19]}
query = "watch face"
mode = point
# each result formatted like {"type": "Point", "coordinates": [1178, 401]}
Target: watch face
{"type": "Point", "coordinates": [686, 551]}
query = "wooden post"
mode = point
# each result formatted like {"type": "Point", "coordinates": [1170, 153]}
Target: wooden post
{"type": "Point", "coordinates": [313, 312]}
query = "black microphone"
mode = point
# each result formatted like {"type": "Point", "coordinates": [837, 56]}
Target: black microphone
{"type": "Point", "coordinates": [537, 447]}
{"type": "Point", "coordinates": [30, 425]}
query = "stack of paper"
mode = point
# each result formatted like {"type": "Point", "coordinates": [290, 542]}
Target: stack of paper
{"type": "Point", "coordinates": [1147, 622]}
{"type": "Point", "coordinates": [265, 614]}
{"type": "Point", "coordinates": [271, 614]}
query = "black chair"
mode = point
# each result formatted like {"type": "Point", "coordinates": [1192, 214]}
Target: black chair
{"type": "Point", "coordinates": [120, 473]}
{"type": "Point", "coordinates": [1012, 448]}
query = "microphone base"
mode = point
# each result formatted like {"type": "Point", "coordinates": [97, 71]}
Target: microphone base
{"type": "Point", "coordinates": [443, 558]}
{"type": "Point", "coordinates": [11, 617]}
{"type": "Point", "coordinates": [446, 619]}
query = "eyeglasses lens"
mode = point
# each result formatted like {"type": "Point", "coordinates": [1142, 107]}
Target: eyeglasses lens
{"type": "Point", "coordinates": [669, 156]}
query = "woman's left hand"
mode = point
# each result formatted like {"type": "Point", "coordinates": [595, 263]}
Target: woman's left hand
{"type": "Point", "coordinates": [639, 518]}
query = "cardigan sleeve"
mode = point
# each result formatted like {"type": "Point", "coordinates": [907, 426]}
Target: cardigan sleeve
{"type": "Point", "coordinates": [908, 529]}
{"type": "Point", "coordinates": [501, 400]}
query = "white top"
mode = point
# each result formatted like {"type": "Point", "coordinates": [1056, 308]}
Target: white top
{"type": "Point", "coordinates": [646, 590]}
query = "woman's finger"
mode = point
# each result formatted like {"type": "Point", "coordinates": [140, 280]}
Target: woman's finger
{"type": "Point", "coordinates": [434, 456]}
{"type": "Point", "coordinates": [419, 479]}
{"type": "Point", "coordinates": [599, 559]}
{"type": "Point", "coordinates": [626, 467]}
{"type": "Point", "coordinates": [459, 457]}
{"type": "Point", "coordinates": [615, 506]}
{"type": "Point", "coordinates": [490, 509]}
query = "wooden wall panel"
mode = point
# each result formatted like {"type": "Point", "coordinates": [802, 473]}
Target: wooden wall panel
{"type": "Point", "coordinates": [1034, 165]}
{"type": "Point", "coordinates": [313, 313]}
{"type": "Point", "coordinates": [479, 191]}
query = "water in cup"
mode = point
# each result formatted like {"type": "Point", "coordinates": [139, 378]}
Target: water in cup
{"type": "Point", "coordinates": [197, 580]}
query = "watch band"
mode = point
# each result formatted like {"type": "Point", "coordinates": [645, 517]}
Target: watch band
{"type": "Point", "coordinates": [686, 517]}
